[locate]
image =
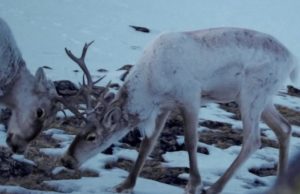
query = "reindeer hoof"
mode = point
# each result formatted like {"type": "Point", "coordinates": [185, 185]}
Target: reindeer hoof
{"type": "Point", "coordinates": [194, 190]}
{"type": "Point", "coordinates": [122, 188]}
{"type": "Point", "coordinates": [209, 191]}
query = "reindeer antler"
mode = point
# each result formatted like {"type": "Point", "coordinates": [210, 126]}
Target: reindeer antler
{"type": "Point", "coordinates": [69, 106]}
{"type": "Point", "coordinates": [87, 88]}
{"type": "Point", "coordinates": [93, 99]}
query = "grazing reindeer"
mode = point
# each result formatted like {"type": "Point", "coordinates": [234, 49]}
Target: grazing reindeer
{"type": "Point", "coordinates": [32, 99]}
{"type": "Point", "coordinates": [185, 70]}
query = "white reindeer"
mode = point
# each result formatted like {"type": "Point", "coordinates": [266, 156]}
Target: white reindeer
{"type": "Point", "coordinates": [32, 99]}
{"type": "Point", "coordinates": [185, 70]}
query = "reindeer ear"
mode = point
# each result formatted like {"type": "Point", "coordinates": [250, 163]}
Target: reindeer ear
{"type": "Point", "coordinates": [112, 117]}
{"type": "Point", "coordinates": [41, 80]}
{"type": "Point", "coordinates": [52, 89]}
{"type": "Point", "coordinates": [40, 75]}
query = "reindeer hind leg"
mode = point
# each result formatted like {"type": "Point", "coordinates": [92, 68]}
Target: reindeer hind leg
{"type": "Point", "coordinates": [252, 105]}
{"type": "Point", "coordinates": [282, 130]}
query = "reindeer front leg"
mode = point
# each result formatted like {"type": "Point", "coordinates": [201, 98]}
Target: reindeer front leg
{"type": "Point", "coordinates": [190, 114]}
{"type": "Point", "coordinates": [146, 147]}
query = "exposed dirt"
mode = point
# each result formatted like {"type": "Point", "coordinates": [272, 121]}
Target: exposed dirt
{"type": "Point", "coordinates": [222, 135]}
{"type": "Point", "coordinates": [264, 171]}
{"type": "Point", "coordinates": [153, 170]}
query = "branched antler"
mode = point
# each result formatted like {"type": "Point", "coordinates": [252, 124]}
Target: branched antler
{"type": "Point", "coordinates": [87, 88]}
{"type": "Point", "coordinates": [81, 61]}
{"type": "Point", "coordinates": [94, 96]}
{"type": "Point", "coordinates": [68, 105]}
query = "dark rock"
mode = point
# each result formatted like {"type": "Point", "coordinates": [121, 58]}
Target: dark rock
{"type": "Point", "coordinates": [133, 138]}
{"type": "Point", "coordinates": [126, 67]}
{"type": "Point", "coordinates": [258, 183]}
{"type": "Point", "coordinates": [102, 70]}
{"type": "Point", "coordinates": [262, 172]}
{"type": "Point", "coordinates": [140, 29]}
{"type": "Point", "coordinates": [296, 134]}
{"type": "Point", "coordinates": [109, 151]}
{"type": "Point", "coordinates": [293, 91]}
{"type": "Point", "coordinates": [203, 150]}
{"type": "Point", "coordinates": [115, 86]}
{"type": "Point", "coordinates": [124, 75]}
{"type": "Point", "coordinates": [47, 67]}
{"type": "Point", "coordinates": [66, 88]}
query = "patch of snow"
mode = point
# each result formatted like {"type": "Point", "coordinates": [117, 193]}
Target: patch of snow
{"type": "Point", "coordinates": [54, 151]}
{"type": "Point", "coordinates": [126, 153]}
{"type": "Point", "coordinates": [212, 166]}
{"type": "Point", "coordinates": [58, 169]}
{"type": "Point", "coordinates": [213, 112]}
{"type": "Point", "coordinates": [2, 127]}
{"type": "Point", "coordinates": [67, 113]}
{"type": "Point", "coordinates": [288, 101]}
{"type": "Point", "coordinates": [21, 158]}
{"type": "Point", "coordinates": [54, 131]}
{"type": "Point", "coordinates": [21, 190]}
{"type": "Point", "coordinates": [3, 139]}
{"type": "Point", "coordinates": [61, 136]}
{"type": "Point", "coordinates": [109, 179]}
{"type": "Point", "coordinates": [97, 163]}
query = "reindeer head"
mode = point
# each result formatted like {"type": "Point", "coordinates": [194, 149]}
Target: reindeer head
{"type": "Point", "coordinates": [105, 122]}
{"type": "Point", "coordinates": [95, 137]}
{"type": "Point", "coordinates": [34, 106]}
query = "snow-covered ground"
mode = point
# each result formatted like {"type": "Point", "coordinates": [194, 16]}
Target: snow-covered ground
{"type": "Point", "coordinates": [43, 28]}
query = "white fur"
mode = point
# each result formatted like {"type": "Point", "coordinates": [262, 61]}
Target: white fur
{"type": "Point", "coordinates": [177, 67]}
{"type": "Point", "coordinates": [186, 69]}
{"type": "Point", "coordinates": [10, 56]}
{"type": "Point", "coordinates": [22, 92]}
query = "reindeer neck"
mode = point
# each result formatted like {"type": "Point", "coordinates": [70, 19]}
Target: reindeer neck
{"type": "Point", "coordinates": [129, 119]}
{"type": "Point", "coordinates": [137, 103]}
{"type": "Point", "coordinates": [19, 87]}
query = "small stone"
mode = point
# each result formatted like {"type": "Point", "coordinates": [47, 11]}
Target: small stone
{"type": "Point", "coordinates": [66, 88]}
{"type": "Point", "coordinates": [203, 150]}
{"type": "Point", "coordinates": [140, 29]}
{"type": "Point", "coordinates": [126, 67]}
{"type": "Point", "coordinates": [47, 67]}
{"type": "Point", "coordinates": [102, 70]}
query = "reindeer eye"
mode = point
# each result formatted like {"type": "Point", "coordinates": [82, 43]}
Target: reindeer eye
{"type": "Point", "coordinates": [91, 137]}
{"type": "Point", "coordinates": [40, 113]}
